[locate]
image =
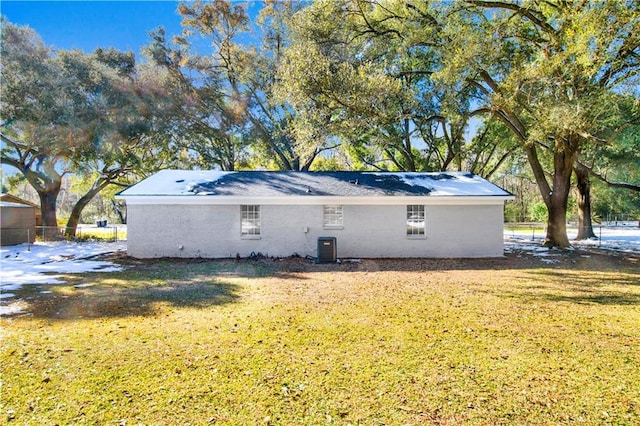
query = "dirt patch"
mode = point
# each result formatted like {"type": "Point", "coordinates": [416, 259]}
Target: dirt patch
{"type": "Point", "coordinates": [584, 259]}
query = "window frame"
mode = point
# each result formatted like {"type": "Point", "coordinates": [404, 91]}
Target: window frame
{"type": "Point", "coordinates": [417, 214]}
{"type": "Point", "coordinates": [250, 221]}
{"type": "Point", "coordinates": [333, 219]}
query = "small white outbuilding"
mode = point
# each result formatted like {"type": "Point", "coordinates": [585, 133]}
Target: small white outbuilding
{"type": "Point", "coordinates": [214, 214]}
{"type": "Point", "coordinates": [17, 223]}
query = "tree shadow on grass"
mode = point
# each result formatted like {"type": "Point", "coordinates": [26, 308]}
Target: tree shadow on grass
{"type": "Point", "coordinates": [103, 299]}
{"type": "Point", "coordinates": [144, 288]}
{"type": "Point", "coordinates": [582, 287]}
{"type": "Point", "coordinates": [147, 287]}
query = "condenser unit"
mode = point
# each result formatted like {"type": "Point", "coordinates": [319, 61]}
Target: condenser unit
{"type": "Point", "coordinates": [327, 250]}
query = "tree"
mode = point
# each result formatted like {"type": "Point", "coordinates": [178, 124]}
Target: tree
{"type": "Point", "coordinates": [208, 125]}
{"type": "Point", "coordinates": [353, 75]}
{"type": "Point", "coordinates": [333, 97]}
{"type": "Point", "coordinates": [282, 137]}
{"type": "Point", "coordinates": [45, 119]}
{"type": "Point", "coordinates": [597, 160]}
{"type": "Point", "coordinates": [614, 166]}
{"type": "Point", "coordinates": [229, 110]}
{"type": "Point", "coordinates": [540, 67]}
{"type": "Point", "coordinates": [70, 112]}
{"type": "Point", "coordinates": [133, 139]}
{"type": "Point", "coordinates": [492, 147]}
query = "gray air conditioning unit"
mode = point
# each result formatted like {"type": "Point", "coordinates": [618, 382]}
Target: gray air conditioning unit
{"type": "Point", "coordinates": [327, 250]}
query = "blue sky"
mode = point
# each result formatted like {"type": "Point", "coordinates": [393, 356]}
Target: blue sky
{"type": "Point", "coordinates": [88, 25]}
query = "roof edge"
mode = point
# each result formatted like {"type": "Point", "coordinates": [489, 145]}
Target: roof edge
{"type": "Point", "coordinates": [314, 200]}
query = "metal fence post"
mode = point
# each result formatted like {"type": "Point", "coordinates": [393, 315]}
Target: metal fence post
{"type": "Point", "coordinates": [600, 237]}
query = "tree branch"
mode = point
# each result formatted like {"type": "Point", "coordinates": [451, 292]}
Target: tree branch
{"type": "Point", "coordinates": [625, 185]}
{"type": "Point", "coordinates": [534, 16]}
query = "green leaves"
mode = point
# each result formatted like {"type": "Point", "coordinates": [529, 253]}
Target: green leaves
{"type": "Point", "coordinates": [384, 84]}
{"type": "Point", "coordinates": [68, 111]}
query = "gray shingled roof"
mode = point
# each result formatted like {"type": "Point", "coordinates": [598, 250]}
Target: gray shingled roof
{"type": "Point", "coordinates": [345, 184]}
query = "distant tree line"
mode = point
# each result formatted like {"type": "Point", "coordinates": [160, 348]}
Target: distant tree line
{"type": "Point", "coordinates": [542, 98]}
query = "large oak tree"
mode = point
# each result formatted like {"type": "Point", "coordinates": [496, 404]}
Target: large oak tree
{"type": "Point", "coordinates": [71, 112]}
{"type": "Point", "coordinates": [224, 66]}
{"type": "Point", "coordinates": [551, 71]}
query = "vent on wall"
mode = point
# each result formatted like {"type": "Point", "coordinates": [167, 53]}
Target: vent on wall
{"type": "Point", "coordinates": [327, 250]}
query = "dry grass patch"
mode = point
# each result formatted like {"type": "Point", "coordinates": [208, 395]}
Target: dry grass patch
{"type": "Point", "coordinates": [507, 341]}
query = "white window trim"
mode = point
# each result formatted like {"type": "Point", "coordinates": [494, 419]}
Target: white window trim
{"type": "Point", "coordinates": [338, 213]}
{"type": "Point", "coordinates": [244, 218]}
{"type": "Point", "coordinates": [413, 210]}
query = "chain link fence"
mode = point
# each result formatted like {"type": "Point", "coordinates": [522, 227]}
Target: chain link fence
{"type": "Point", "coordinates": [82, 233]}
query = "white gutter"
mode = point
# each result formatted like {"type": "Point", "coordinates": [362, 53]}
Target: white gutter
{"type": "Point", "coordinates": [315, 200]}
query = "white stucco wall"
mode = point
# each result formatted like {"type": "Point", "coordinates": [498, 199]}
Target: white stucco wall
{"type": "Point", "coordinates": [370, 231]}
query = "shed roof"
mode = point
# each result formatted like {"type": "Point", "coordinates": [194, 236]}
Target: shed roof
{"type": "Point", "coordinates": [16, 205]}
{"type": "Point", "coordinates": [13, 199]}
{"type": "Point", "coordinates": [212, 183]}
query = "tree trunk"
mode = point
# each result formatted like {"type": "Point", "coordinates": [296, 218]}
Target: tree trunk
{"type": "Point", "coordinates": [47, 183]}
{"type": "Point", "coordinates": [407, 149]}
{"type": "Point", "coordinates": [120, 211]}
{"type": "Point", "coordinates": [557, 221]}
{"type": "Point", "coordinates": [556, 199]}
{"type": "Point", "coordinates": [72, 223]}
{"type": "Point", "coordinates": [74, 218]}
{"type": "Point", "coordinates": [585, 227]}
{"type": "Point", "coordinates": [48, 199]}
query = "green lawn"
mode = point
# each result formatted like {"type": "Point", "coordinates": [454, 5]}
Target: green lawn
{"type": "Point", "coordinates": [506, 341]}
{"type": "Point", "coordinates": [110, 233]}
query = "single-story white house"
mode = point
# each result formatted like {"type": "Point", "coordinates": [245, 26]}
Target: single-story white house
{"type": "Point", "coordinates": [214, 214]}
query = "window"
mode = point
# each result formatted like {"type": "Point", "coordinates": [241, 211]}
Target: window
{"type": "Point", "coordinates": [332, 217]}
{"type": "Point", "coordinates": [250, 221]}
{"type": "Point", "coordinates": [415, 221]}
